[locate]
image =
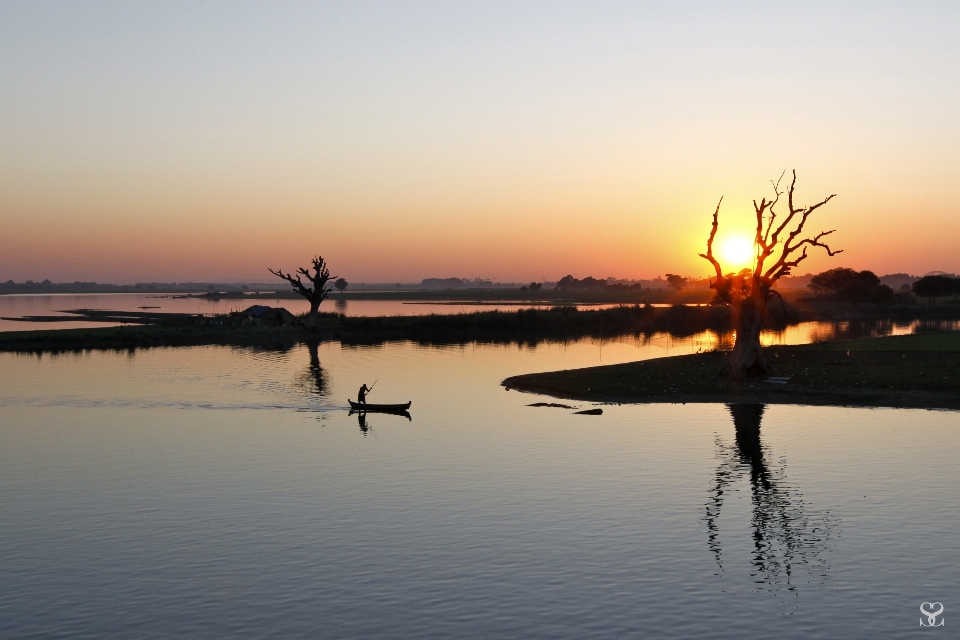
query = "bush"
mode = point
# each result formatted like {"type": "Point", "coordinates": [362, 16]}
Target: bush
{"type": "Point", "coordinates": [623, 287]}
{"type": "Point", "coordinates": [936, 286]}
{"type": "Point", "coordinates": [569, 283]}
{"type": "Point", "coordinates": [851, 286]}
{"type": "Point", "coordinates": [675, 281]}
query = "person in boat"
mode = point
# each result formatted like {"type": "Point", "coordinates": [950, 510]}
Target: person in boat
{"type": "Point", "coordinates": [362, 394]}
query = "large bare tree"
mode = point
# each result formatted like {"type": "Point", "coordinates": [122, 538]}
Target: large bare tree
{"type": "Point", "coordinates": [316, 293]}
{"type": "Point", "coordinates": [749, 291]}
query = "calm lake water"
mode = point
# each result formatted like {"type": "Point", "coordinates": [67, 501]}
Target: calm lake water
{"type": "Point", "coordinates": [212, 492]}
{"type": "Point", "coordinates": [16, 306]}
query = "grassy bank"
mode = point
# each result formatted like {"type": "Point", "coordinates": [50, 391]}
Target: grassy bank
{"type": "Point", "coordinates": [905, 371]}
{"type": "Point", "coordinates": [526, 325]}
{"type": "Point", "coordinates": [142, 337]}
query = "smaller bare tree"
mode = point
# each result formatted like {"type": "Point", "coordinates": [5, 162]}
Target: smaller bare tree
{"type": "Point", "coordinates": [316, 293]}
{"type": "Point", "coordinates": [749, 291]}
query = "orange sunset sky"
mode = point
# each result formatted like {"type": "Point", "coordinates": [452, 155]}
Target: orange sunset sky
{"type": "Point", "coordinates": [524, 141]}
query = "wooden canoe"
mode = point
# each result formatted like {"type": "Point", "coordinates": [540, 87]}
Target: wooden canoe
{"type": "Point", "coordinates": [379, 408]}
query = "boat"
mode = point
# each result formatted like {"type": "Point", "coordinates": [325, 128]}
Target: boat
{"type": "Point", "coordinates": [379, 408]}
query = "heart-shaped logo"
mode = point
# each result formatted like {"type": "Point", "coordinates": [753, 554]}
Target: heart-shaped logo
{"type": "Point", "coordinates": [931, 610]}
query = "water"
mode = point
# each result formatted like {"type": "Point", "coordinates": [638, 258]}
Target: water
{"type": "Point", "coordinates": [211, 492]}
{"type": "Point", "coordinates": [17, 306]}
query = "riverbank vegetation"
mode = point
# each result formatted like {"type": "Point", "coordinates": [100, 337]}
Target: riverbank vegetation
{"type": "Point", "coordinates": [524, 325]}
{"type": "Point", "coordinates": [265, 325]}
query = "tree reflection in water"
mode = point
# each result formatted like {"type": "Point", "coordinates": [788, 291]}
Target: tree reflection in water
{"type": "Point", "coordinates": [790, 541]}
{"type": "Point", "coordinates": [314, 381]}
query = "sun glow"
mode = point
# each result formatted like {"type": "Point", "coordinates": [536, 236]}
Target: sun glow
{"type": "Point", "coordinates": [736, 252]}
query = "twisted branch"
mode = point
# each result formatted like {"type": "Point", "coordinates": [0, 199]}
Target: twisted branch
{"type": "Point", "coordinates": [319, 291]}
{"type": "Point", "coordinates": [709, 254]}
{"type": "Point", "coordinates": [767, 239]}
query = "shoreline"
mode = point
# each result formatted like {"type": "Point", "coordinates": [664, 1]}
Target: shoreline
{"type": "Point", "coordinates": [913, 371]}
{"type": "Point", "coordinates": [524, 325]}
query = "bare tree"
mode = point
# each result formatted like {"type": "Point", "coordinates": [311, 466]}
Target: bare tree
{"type": "Point", "coordinates": [749, 291]}
{"type": "Point", "coordinates": [315, 294]}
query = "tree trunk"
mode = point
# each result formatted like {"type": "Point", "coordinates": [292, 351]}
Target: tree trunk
{"type": "Point", "coordinates": [746, 359]}
{"type": "Point", "coordinates": [313, 317]}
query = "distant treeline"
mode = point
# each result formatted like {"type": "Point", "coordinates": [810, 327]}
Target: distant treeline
{"type": "Point", "coordinates": [456, 283]}
{"type": "Point", "coordinates": [569, 283]}
{"type": "Point", "coordinates": [47, 286]}
{"type": "Point", "coordinates": [898, 282]}
{"type": "Point", "coordinates": [849, 285]}
{"type": "Point", "coordinates": [534, 325]}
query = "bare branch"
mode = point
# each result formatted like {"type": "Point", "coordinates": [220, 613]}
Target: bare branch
{"type": "Point", "coordinates": [793, 212]}
{"type": "Point", "coordinates": [709, 254]}
{"type": "Point", "coordinates": [759, 210]}
{"type": "Point", "coordinates": [773, 214]}
{"type": "Point", "coordinates": [758, 239]}
{"type": "Point", "coordinates": [783, 266]}
{"type": "Point", "coordinates": [295, 281]}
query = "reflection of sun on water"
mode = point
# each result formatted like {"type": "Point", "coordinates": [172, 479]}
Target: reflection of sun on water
{"type": "Point", "coordinates": [736, 252]}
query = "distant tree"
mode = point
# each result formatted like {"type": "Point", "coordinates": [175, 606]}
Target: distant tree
{"type": "Point", "coordinates": [748, 292]}
{"type": "Point", "coordinates": [570, 283]}
{"type": "Point", "coordinates": [883, 294]}
{"type": "Point", "coordinates": [442, 283]}
{"type": "Point", "coordinates": [934, 286]}
{"type": "Point", "coordinates": [314, 294]}
{"type": "Point", "coordinates": [535, 286]}
{"type": "Point", "coordinates": [341, 284]}
{"type": "Point", "coordinates": [675, 281]}
{"type": "Point", "coordinates": [624, 287]}
{"type": "Point", "coordinates": [566, 282]}
{"type": "Point", "coordinates": [851, 286]}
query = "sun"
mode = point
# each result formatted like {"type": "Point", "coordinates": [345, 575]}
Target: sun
{"type": "Point", "coordinates": [737, 252]}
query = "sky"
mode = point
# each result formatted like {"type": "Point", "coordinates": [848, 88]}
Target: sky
{"type": "Point", "coordinates": [519, 141]}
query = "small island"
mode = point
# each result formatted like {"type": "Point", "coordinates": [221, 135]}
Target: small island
{"type": "Point", "coordinates": [914, 371]}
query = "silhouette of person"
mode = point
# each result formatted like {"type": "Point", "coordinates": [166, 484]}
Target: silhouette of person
{"type": "Point", "coordinates": [362, 394]}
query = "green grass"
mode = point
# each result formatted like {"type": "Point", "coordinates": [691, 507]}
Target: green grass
{"type": "Point", "coordinates": [922, 342]}
{"type": "Point", "coordinates": [904, 371]}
